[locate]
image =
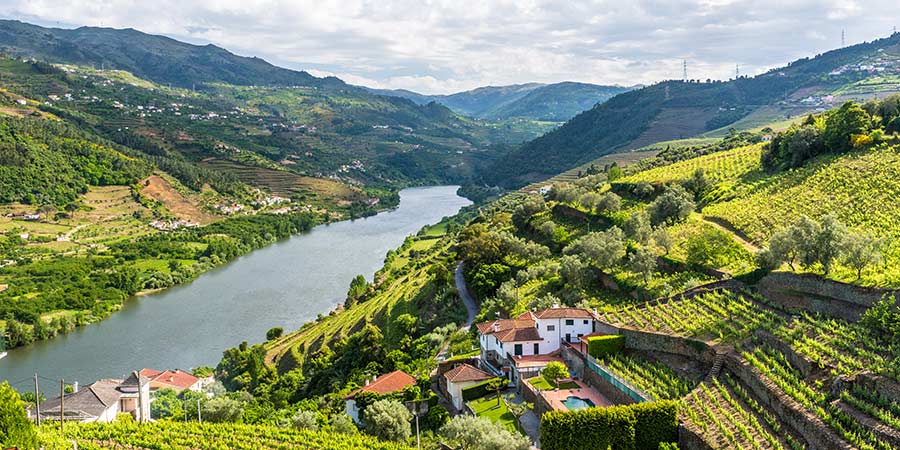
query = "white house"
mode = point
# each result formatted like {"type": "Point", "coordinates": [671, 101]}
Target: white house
{"type": "Point", "coordinates": [101, 401]}
{"type": "Point", "coordinates": [533, 333]}
{"type": "Point", "coordinates": [381, 385]}
{"type": "Point", "coordinates": [461, 377]}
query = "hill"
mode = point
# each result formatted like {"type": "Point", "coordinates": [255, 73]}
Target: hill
{"type": "Point", "coordinates": [556, 102]}
{"type": "Point", "coordinates": [679, 109]}
{"type": "Point", "coordinates": [156, 58]}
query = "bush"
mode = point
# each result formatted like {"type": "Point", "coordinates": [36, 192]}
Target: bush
{"type": "Point", "coordinates": [600, 346]}
{"type": "Point", "coordinates": [388, 420]}
{"type": "Point", "coordinates": [479, 390]}
{"type": "Point", "coordinates": [15, 428]}
{"type": "Point", "coordinates": [641, 426]}
{"type": "Point", "coordinates": [478, 433]}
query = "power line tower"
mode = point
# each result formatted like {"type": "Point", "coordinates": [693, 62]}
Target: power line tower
{"type": "Point", "coordinates": [684, 70]}
{"type": "Point", "coordinates": [737, 71]}
{"type": "Point", "coordinates": [842, 39]}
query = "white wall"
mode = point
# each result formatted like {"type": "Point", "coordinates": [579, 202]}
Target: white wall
{"type": "Point", "coordinates": [455, 390]}
{"type": "Point", "coordinates": [554, 338]}
{"type": "Point", "coordinates": [352, 410]}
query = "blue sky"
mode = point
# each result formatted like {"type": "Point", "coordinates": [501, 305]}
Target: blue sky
{"type": "Point", "coordinates": [448, 46]}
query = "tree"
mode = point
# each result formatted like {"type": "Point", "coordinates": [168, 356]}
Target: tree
{"type": "Point", "coordinates": [642, 261]}
{"type": "Point", "coordinates": [637, 227]}
{"type": "Point", "coordinates": [342, 423]}
{"type": "Point", "coordinates": [698, 184]}
{"type": "Point", "coordinates": [388, 420]}
{"type": "Point", "coordinates": [496, 385]}
{"type": "Point", "coordinates": [166, 404]}
{"type": "Point", "coordinates": [222, 409]}
{"type": "Point", "coordinates": [358, 288]}
{"type": "Point", "coordinates": [573, 270]}
{"type": "Point", "coordinates": [555, 371]}
{"type": "Point", "coordinates": [673, 206]}
{"type": "Point", "coordinates": [15, 428]}
{"type": "Point", "coordinates": [274, 333]}
{"type": "Point", "coordinates": [841, 124]}
{"type": "Point", "coordinates": [604, 249]}
{"type": "Point", "coordinates": [517, 409]}
{"type": "Point", "coordinates": [477, 433]}
{"type": "Point", "coordinates": [305, 420]}
{"type": "Point", "coordinates": [781, 248]}
{"type": "Point", "coordinates": [862, 250]}
{"type": "Point", "coordinates": [589, 200]}
{"type": "Point", "coordinates": [830, 241]}
{"type": "Point", "coordinates": [662, 239]}
{"type": "Point", "coordinates": [643, 190]}
{"type": "Point", "coordinates": [609, 202]}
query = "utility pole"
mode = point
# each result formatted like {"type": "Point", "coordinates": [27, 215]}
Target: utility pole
{"type": "Point", "coordinates": [62, 404]}
{"type": "Point", "coordinates": [37, 401]}
{"type": "Point", "coordinates": [140, 401]}
{"type": "Point", "coordinates": [199, 418]}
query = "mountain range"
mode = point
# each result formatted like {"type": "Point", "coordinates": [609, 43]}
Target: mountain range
{"type": "Point", "coordinates": [555, 102]}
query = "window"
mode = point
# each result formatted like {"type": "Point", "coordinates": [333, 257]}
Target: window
{"type": "Point", "coordinates": [580, 335]}
{"type": "Point", "coordinates": [568, 337]}
{"type": "Point", "coordinates": [585, 321]}
{"type": "Point", "coordinates": [551, 327]}
{"type": "Point", "coordinates": [517, 350]}
{"type": "Point", "coordinates": [570, 322]}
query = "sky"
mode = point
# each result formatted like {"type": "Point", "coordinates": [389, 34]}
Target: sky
{"type": "Point", "coordinates": [438, 47]}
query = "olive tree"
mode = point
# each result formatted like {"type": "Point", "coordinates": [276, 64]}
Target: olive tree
{"type": "Point", "coordinates": [388, 420]}
{"type": "Point", "coordinates": [862, 250]}
{"type": "Point", "coordinates": [604, 249]}
{"type": "Point", "coordinates": [672, 206]}
{"type": "Point", "coordinates": [477, 433]}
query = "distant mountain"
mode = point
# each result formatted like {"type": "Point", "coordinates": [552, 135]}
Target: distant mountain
{"type": "Point", "coordinates": [556, 102]}
{"type": "Point", "coordinates": [156, 58]}
{"type": "Point", "coordinates": [678, 109]}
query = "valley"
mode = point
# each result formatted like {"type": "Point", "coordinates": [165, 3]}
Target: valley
{"type": "Point", "coordinates": [692, 264]}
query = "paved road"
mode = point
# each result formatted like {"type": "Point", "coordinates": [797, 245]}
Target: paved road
{"type": "Point", "coordinates": [465, 295]}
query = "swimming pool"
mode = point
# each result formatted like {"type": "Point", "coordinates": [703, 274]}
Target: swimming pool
{"type": "Point", "coordinates": [575, 403]}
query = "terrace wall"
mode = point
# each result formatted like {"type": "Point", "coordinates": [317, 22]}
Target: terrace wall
{"type": "Point", "coordinates": [800, 363]}
{"type": "Point", "coordinates": [541, 405]}
{"type": "Point", "coordinates": [802, 422]}
{"type": "Point", "coordinates": [807, 292]}
{"type": "Point", "coordinates": [690, 440]}
{"type": "Point", "coordinates": [881, 384]}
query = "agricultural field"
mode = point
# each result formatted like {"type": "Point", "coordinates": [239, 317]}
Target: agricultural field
{"type": "Point", "coordinates": [652, 377]}
{"type": "Point", "coordinates": [720, 167]}
{"type": "Point", "coordinates": [168, 435]}
{"type": "Point", "coordinates": [717, 316]}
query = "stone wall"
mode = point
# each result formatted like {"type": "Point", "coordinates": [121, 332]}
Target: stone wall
{"type": "Point", "coordinates": [541, 405]}
{"type": "Point", "coordinates": [804, 366]}
{"type": "Point", "coordinates": [803, 423]}
{"type": "Point", "coordinates": [690, 440]}
{"type": "Point", "coordinates": [881, 384]}
{"type": "Point", "coordinates": [807, 292]}
{"type": "Point", "coordinates": [664, 343]}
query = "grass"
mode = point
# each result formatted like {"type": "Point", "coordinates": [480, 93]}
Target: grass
{"type": "Point", "coordinates": [543, 384]}
{"type": "Point", "coordinates": [487, 407]}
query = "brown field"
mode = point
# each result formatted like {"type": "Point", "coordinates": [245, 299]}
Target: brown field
{"type": "Point", "coordinates": [157, 188]}
{"type": "Point", "coordinates": [286, 183]}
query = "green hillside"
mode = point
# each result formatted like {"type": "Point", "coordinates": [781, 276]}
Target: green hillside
{"type": "Point", "coordinates": [156, 58]}
{"type": "Point", "coordinates": [678, 109]}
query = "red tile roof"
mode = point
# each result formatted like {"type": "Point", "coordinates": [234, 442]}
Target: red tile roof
{"type": "Point", "coordinates": [519, 335]}
{"type": "Point", "coordinates": [466, 372]}
{"type": "Point", "coordinates": [503, 325]}
{"type": "Point", "coordinates": [537, 360]}
{"type": "Point", "coordinates": [559, 313]}
{"type": "Point", "coordinates": [385, 384]}
{"type": "Point", "coordinates": [176, 378]}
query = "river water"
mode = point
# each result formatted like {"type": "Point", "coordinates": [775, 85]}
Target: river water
{"type": "Point", "coordinates": [283, 285]}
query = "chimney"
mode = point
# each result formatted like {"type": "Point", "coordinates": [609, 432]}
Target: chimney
{"type": "Point", "coordinates": [367, 381]}
{"type": "Point", "coordinates": [374, 378]}
{"type": "Point", "coordinates": [555, 305]}
{"type": "Point", "coordinates": [496, 326]}
{"type": "Point", "coordinates": [75, 387]}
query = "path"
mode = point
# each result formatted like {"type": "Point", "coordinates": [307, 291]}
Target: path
{"type": "Point", "coordinates": [531, 424]}
{"type": "Point", "coordinates": [465, 295]}
{"type": "Point", "coordinates": [468, 300]}
{"type": "Point", "coordinates": [751, 247]}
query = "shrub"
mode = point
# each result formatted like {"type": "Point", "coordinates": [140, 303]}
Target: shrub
{"type": "Point", "coordinates": [641, 426]}
{"type": "Point", "coordinates": [388, 420]}
{"type": "Point", "coordinates": [479, 390]}
{"type": "Point", "coordinates": [600, 346]}
{"type": "Point", "coordinates": [477, 433]}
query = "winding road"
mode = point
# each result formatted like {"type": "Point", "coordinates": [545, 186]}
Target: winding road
{"type": "Point", "coordinates": [466, 296]}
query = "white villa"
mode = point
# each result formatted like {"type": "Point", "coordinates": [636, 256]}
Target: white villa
{"type": "Point", "coordinates": [101, 401]}
{"type": "Point", "coordinates": [535, 333]}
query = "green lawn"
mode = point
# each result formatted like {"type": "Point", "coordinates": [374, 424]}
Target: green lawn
{"type": "Point", "coordinates": [487, 407]}
{"type": "Point", "coordinates": [541, 383]}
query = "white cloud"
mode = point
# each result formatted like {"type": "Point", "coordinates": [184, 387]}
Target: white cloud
{"type": "Point", "coordinates": [441, 46]}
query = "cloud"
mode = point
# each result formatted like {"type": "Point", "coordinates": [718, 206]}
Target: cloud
{"type": "Point", "coordinates": [440, 46]}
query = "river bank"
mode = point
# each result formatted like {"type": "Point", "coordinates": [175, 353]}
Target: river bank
{"type": "Point", "coordinates": [284, 284]}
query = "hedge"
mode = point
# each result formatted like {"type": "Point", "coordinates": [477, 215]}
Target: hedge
{"type": "Point", "coordinates": [600, 346]}
{"type": "Point", "coordinates": [640, 426]}
{"type": "Point", "coordinates": [478, 390]}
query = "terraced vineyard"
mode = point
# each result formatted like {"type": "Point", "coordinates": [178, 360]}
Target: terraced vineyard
{"type": "Point", "coordinates": [720, 166]}
{"type": "Point", "coordinates": [177, 436]}
{"type": "Point", "coordinates": [719, 315]}
{"type": "Point", "coordinates": [726, 417]}
{"type": "Point", "coordinates": [654, 378]}
{"type": "Point", "coordinates": [773, 365]}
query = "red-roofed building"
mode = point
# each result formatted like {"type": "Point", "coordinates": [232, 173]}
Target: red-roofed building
{"type": "Point", "coordinates": [532, 333]}
{"type": "Point", "coordinates": [177, 379]}
{"type": "Point", "coordinates": [461, 377]}
{"type": "Point", "coordinates": [381, 385]}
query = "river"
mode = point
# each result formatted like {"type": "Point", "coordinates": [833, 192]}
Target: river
{"type": "Point", "coordinates": [283, 285]}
